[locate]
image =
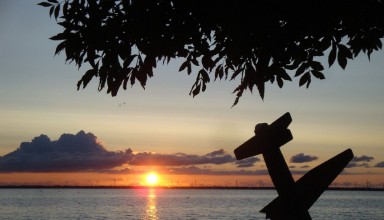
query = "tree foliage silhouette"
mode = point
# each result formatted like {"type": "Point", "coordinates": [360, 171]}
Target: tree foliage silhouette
{"type": "Point", "coordinates": [256, 41]}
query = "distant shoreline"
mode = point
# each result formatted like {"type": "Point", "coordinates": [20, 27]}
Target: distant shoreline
{"type": "Point", "coordinates": [166, 187]}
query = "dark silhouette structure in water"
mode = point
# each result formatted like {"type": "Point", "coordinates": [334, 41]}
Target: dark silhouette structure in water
{"type": "Point", "coordinates": [295, 198]}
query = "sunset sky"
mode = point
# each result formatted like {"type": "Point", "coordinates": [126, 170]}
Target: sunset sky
{"type": "Point", "coordinates": [50, 133]}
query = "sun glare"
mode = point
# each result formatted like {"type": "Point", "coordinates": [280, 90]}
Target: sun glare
{"type": "Point", "coordinates": [152, 179]}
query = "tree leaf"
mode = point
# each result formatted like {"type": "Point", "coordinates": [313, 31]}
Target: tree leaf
{"type": "Point", "coordinates": [60, 47]}
{"type": "Point", "coordinates": [125, 82]}
{"type": "Point", "coordinates": [219, 73]}
{"type": "Point", "coordinates": [142, 77]}
{"type": "Point", "coordinates": [342, 59]}
{"type": "Point", "coordinates": [196, 90]}
{"type": "Point", "coordinates": [261, 87]}
{"type": "Point", "coordinates": [204, 75]}
{"type": "Point", "coordinates": [57, 10]}
{"type": "Point", "coordinates": [308, 82]}
{"type": "Point", "coordinates": [234, 75]}
{"type": "Point", "coordinates": [51, 10]}
{"type": "Point", "coordinates": [294, 65]}
{"type": "Point", "coordinates": [189, 69]}
{"type": "Point", "coordinates": [272, 79]}
{"type": "Point", "coordinates": [346, 52]}
{"type": "Point", "coordinates": [283, 74]}
{"type": "Point", "coordinates": [317, 66]}
{"type": "Point", "coordinates": [207, 62]}
{"type": "Point", "coordinates": [133, 76]}
{"type": "Point", "coordinates": [65, 8]}
{"type": "Point", "coordinates": [86, 78]}
{"type": "Point", "coordinates": [304, 79]}
{"type": "Point", "coordinates": [128, 61]}
{"type": "Point", "coordinates": [204, 87]}
{"type": "Point", "coordinates": [60, 36]}
{"type": "Point", "coordinates": [45, 4]}
{"type": "Point", "coordinates": [318, 74]}
{"type": "Point", "coordinates": [379, 44]}
{"type": "Point", "coordinates": [280, 82]}
{"type": "Point", "coordinates": [195, 62]}
{"type": "Point", "coordinates": [332, 55]}
{"type": "Point", "coordinates": [184, 65]}
{"type": "Point", "coordinates": [301, 69]}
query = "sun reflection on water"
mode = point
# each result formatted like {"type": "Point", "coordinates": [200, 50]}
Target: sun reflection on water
{"type": "Point", "coordinates": [151, 208]}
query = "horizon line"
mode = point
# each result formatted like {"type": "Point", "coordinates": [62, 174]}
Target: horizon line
{"type": "Point", "coordinates": [172, 187]}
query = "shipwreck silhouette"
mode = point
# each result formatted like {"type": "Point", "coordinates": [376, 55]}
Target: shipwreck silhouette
{"type": "Point", "coordinates": [295, 198]}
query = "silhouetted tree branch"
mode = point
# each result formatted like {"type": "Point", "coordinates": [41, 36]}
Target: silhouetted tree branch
{"type": "Point", "coordinates": [256, 41]}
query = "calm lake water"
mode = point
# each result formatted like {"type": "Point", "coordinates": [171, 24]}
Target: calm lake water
{"type": "Point", "coordinates": [175, 204]}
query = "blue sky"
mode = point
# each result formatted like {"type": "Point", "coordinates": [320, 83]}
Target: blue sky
{"type": "Point", "coordinates": [38, 96]}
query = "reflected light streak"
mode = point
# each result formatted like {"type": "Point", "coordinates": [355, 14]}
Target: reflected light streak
{"type": "Point", "coordinates": [151, 208]}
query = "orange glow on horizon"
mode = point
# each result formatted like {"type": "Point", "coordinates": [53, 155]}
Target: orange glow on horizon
{"type": "Point", "coordinates": [376, 180]}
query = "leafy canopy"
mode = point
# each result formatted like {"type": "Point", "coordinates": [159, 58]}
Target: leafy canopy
{"type": "Point", "coordinates": [256, 41]}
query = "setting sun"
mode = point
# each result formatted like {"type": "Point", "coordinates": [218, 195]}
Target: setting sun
{"type": "Point", "coordinates": [152, 179]}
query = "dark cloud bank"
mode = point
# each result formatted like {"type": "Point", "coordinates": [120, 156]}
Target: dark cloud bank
{"type": "Point", "coordinates": [362, 161]}
{"type": "Point", "coordinates": [82, 152]}
{"type": "Point", "coordinates": [181, 159]}
{"type": "Point", "coordinates": [302, 158]}
{"type": "Point", "coordinates": [381, 164]}
{"type": "Point", "coordinates": [357, 161]}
